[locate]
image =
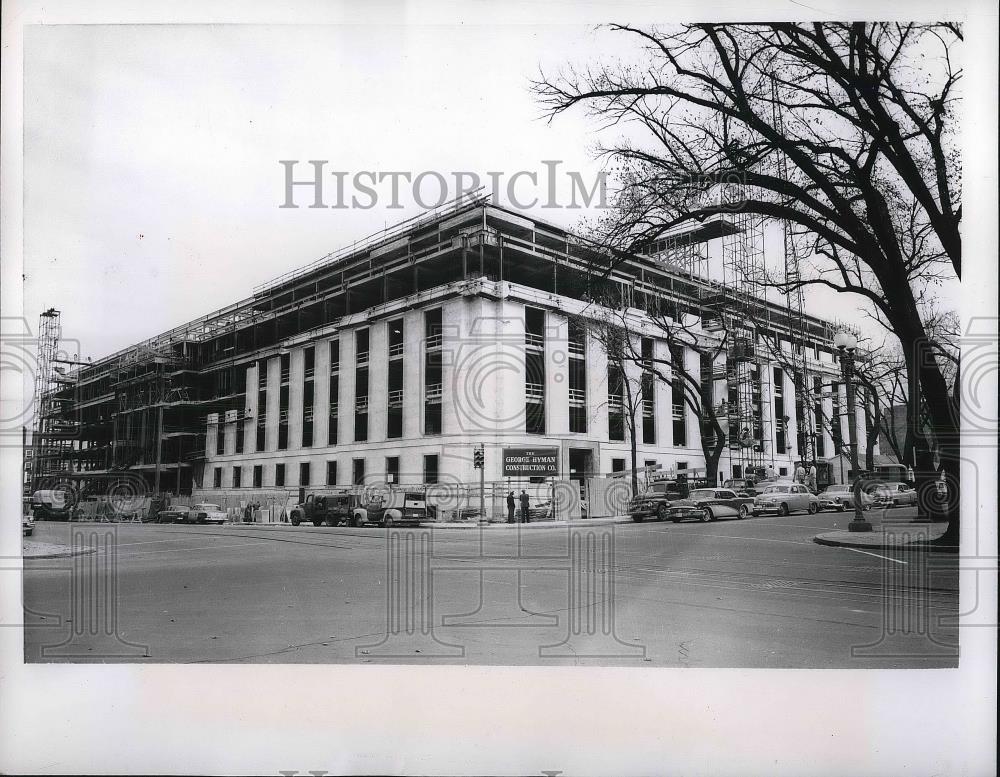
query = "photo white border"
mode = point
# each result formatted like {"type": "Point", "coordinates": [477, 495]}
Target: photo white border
{"type": "Point", "coordinates": [245, 719]}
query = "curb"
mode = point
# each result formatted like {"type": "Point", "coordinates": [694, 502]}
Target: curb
{"type": "Point", "coordinates": [532, 525]}
{"type": "Point", "coordinates": [927, 546]}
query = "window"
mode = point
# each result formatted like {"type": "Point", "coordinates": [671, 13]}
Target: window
{"type": "Point", "coordinates": [240, 434]}
{"type": "Point", "coordinates": [577, 395]}
{"type": "Point", "coordinates": [392, 469]}
{"type": "Point", "coordinates": [304, 473]}
{"type": "Point", "coordinates": [432, 392]}
{"type": "Point", "coordinates": [331, 473]}
{"type": "Point", "coordinates": [220, 438]}
{"type": "Point", "coordinates": [307, 415]}
{"type": "Point", "coordinates": [394, 426]}
{"type": "Point", "coordinates": [334, 356]}
{"type": "Point", "coordinates": [432, 419]}
{"type": "Point", "coordinates": [258, 476]}
{"type": "Point", "coordinates": [237, 477]}
{"type": "Point", "coordinates": [333, 429]}
{"type": "Point", "coordinates": [283, 417]}
{"type": "Point", "coordinates": [358, 474]}
{"type": "Point", "coordinates": [618, 465]}
{"type": "Point", "coordinates": [310, 363]}
{"type": "Point", "coordinates": [286, 368]}
{"type": "Point", "coordinates": [782, 471]}
{"type": "Point", "coordinates": [534, 328]}
{"type": "Point", "coordinates": [616, 403]}
{"type": "Point", "coordinates": [361, 404]}
{"type": "Point", "coordinates": [430, 469]}
{"type": "Point", "coordinates": [396, 339]}
{"type": "Point", "coordinates": [361, 344]}
{"type": "Point", "coordinates": [534, 392]}
{"type": "Point", "coordinates": [433, 329]}
{"type": "Point", "coordinates": [279, 475]}
{"type": "Point", "coordinates": [261, 420]}
{"type": "Point", "coordinates": [217, 477]}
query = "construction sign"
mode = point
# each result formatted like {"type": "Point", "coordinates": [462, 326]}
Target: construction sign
{"type": "Point", "coordinates": [530, 462]}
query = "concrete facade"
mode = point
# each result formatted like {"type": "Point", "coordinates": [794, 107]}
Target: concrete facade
{"type": "Point", "coordinates": [483, 397]}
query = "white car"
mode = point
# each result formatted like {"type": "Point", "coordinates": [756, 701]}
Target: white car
{"type": "Point", "coordinates": [205, 512]}
{"type": "Point", "coordinates": [894, 494]}
{"type": "Point", "coordinates": [784, 499]}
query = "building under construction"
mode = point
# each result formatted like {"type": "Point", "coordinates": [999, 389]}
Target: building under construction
{"type": "Point", "coordinates": [394, 358]}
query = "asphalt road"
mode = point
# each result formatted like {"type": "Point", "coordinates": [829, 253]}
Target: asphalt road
{"type": "Point", "coordinates": [750, 593]}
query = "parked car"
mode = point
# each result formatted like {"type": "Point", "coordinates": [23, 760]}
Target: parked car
{"type": "Point", "coordinates": [655, 501]}
{"type": "Point", "coordinates": [893, 494]}
{"type": "Point", "coordinates": [784, 499]}
{"type": "Point", "coordinates": [173, 514]}
{"type": "Point", "coordinates": [52, 504]}
{"type": "Point", "coordinates": [709, 504]}
{"type": "Point", "coordinates": [840, 496]}
{"type": "Point", "coordinates": [27, 519]}
{"type": "Point", "coordinates": [205, 512]}
{"type": "Point", "coordinates": [743, 486]}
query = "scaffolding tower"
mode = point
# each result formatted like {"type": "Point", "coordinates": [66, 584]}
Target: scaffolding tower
{"type": "Point", "coordinates": [795, 309]}
{"type": "Point", "coordinates": [47, 450]}
{"type": "Point", "coordinates": [743, 270]}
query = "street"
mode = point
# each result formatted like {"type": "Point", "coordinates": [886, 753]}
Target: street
{"type": "Point", "coordinates": [738, 593]}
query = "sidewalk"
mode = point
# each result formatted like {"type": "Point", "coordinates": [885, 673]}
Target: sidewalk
{"type": "Point", "coordinates": [531, 525]}
{"type": "Point", "coordinates": [890, 533]}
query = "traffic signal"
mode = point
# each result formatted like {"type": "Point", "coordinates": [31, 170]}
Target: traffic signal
{"type": "Point", "coordinates": [477, 458]}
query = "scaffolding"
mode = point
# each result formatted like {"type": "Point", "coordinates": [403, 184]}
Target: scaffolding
{"type": "Point", "coordinates": [795, 308]}
{"type": "Point", "coordinates": [48, 444]}
{"type": "Point", "coordinates": [743, 270]}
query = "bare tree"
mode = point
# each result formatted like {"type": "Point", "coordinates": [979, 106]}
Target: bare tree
{"type": "Point", "coordinates": [846, 131]}
{"type": "Point", "coordinates": [679, 332]}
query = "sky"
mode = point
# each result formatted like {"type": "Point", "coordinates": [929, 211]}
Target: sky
{"type": "Point", "coordinates": [152, 153]}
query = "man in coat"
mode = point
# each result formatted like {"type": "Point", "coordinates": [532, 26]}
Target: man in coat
{"type": "Point", "coordinates": [524, 505]}
{"type": "Point", "coordinates": [510, 507]}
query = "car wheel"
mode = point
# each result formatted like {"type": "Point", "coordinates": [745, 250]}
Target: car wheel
{"type": "Point", "coordinates": [744, 511]}
{"type": "Point", "coordinates": [661, 512]}
{"type": "Point", "coordinates": [295, 519]}
{"type": "Point", "coordinates": [783, 509]}
{"type": "Point", "coordinates": [387, 521]}
{"type": "Point", "coordinates": [202, 519]}
{"type": "Point", "coordinates": [317, 522]}
{"type": "Point", "coordinates": [707, 515]}
{"type": "Point", "coordinates": [352, 521]}
{"type": "Point", "coordinates": [676, 520]}
{"type": "Point", "coordinates": [638, 518]}
{"type": "Point", "coordinates": [813, 508]}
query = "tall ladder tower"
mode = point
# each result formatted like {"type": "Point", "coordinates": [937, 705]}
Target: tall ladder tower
{"type": "Point", "coordinates": [743, 269]}
{"type": "Point", "coordinates": [795, 310]}
{"type": "Point", "coordinates": [49, 332]}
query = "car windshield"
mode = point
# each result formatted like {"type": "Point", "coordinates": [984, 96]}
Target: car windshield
{"type": "Point", "coordinates": [702, 494]}
{"type": "Point", "coordinates": [839, 488]}
{"type": "Point", "coordinates": [776, 490]}
{"type": "Point", "coordinates": [206, 506]}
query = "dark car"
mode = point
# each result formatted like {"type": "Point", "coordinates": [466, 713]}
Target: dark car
{"type": "Point", "coordinates": [655, 501]}
{"type": "Point", "coordinates": [173, 514]}
{"type": "Point", "coordinates": [710, 504]}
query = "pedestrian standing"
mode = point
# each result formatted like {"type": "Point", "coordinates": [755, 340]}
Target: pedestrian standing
{"type": "Point", "coordinates": [524, 506]}
{"type": "Point", "coordinates": [510, 507]}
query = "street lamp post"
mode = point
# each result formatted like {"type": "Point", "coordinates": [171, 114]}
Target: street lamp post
{"type": "Point", "coordinates": [847, 344]}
